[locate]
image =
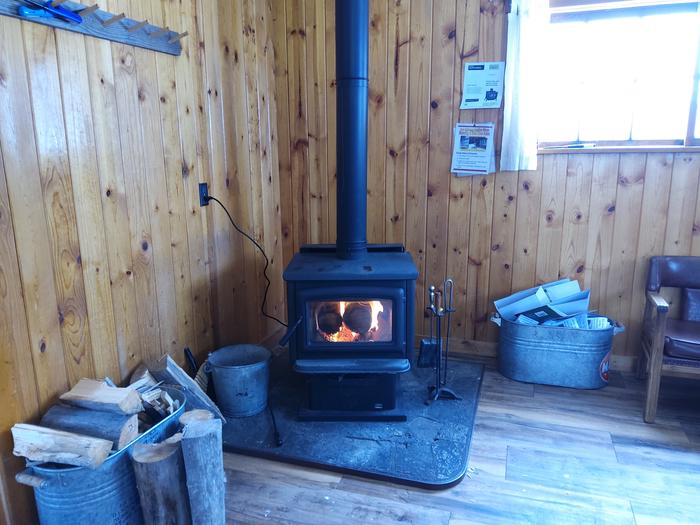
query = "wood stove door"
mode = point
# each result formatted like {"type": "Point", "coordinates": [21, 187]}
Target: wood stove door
{"type": "Point", "coordinates": [358, 321]}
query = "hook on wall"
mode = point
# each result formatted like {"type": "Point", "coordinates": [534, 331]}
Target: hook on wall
{"type": "Point", "coordinates": [113, 20]}
{"type": "Point", "coordinates": [136, 27]}
{"type": "Point", "coordinates": [88, 10]}
{"type": "Point", "coordinates": [163, 31]}
{"type": "Point", "coordinates": [177, 37]}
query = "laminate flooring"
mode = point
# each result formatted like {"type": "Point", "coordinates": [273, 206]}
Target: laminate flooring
{"type": "Point", "coordinates": [539, 454]}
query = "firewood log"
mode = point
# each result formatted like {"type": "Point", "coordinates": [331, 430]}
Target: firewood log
{"type": "Point", "coordinates": [160, 479]}
{"type": "Point", "coordinates": [204, 463]}
{"type": "Point", "coordinates": [120, 429]}
{"type": "Point", "coordinates": [96, 395]}
{"type": "Point", "coordinates": [358, 317]}
{"type": "Point", "coordinates": [48, 445]}
{"type": "Point", "coordinates": [199, 414]}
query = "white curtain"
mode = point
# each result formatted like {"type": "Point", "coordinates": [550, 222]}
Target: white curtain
{"type": "Point", "coordinates": [526, 22]}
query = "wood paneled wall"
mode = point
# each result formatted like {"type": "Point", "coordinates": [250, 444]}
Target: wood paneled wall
{"type": "Point", "coordinates": [106, 257]}
{"type": "Point", "coordinates": [593, 217]}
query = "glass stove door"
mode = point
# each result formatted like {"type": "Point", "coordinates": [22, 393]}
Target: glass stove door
{"type": "Point", "coordinates": [349, 320]}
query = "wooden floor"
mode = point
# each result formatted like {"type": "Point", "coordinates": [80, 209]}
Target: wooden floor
{"type": "Point", "coordinates": [539, 455]}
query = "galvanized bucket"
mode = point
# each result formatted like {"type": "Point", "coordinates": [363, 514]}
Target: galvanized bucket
{"type": "Point", "coordinates": [555, 355]}
{"type": "Point", "coordinates": [241, 375]}
{"type": "Point", "coordinates": [103, 496]}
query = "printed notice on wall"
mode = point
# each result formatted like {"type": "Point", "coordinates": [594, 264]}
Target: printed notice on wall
{"type": "Point", "coordinates": [483, 85]}
{"type": "Point", "coordinates": [472, 151]}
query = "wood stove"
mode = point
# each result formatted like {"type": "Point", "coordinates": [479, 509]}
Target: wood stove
{"type": "Point", "coordinates": [351, 305]}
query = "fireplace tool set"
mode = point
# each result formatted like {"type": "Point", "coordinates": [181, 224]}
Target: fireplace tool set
{"type": "Point", "coordinates": [433, 352]}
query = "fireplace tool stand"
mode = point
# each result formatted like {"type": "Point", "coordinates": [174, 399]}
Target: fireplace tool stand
{"type": "Point", "coordinates": [441, 305]}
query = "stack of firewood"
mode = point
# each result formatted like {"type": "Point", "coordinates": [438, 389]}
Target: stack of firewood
{"type": "Point", "coordinates": [92, 419]}
{"type": "Point", "coordinates": [179, 480]}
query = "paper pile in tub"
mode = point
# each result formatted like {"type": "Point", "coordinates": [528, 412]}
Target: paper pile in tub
{"type": "Point", "coordinates": [559, 303]}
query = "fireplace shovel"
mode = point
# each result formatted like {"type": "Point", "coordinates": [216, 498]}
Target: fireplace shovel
{"type": "Point", "coordinates": [429, 348]}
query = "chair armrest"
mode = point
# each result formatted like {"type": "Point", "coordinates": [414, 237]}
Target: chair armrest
{"type": "Point", "coordinates": [658, 302]}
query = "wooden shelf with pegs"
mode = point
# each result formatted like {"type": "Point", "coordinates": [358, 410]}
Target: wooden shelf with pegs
{"type": "Point", "coordinates": [101, 24]}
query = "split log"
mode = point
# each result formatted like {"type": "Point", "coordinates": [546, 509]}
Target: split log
{"type": "Point", "coordinates": [141, 378]}
{"type": "Point", "coordinates": [167, 371]}
{"type": "Point", "coordinates": [56, 446]}
{"type": "Point", "coordinates": [95, 395]}
{"type": "Point", "coordinates": [358, 317]}
{"type": "Point", "coordinates": [195, 415]}
{"type": "Point", "coordinates": [160, 480]}
{"type": "Point", "coordinates": [204, 463]}
{"type": "Point", "coordinates": [120, 429]}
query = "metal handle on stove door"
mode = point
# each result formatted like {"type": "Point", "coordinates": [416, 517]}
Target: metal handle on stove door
{"type": "Point", "coordinates": [290, 332]}
{"type": "Point", "coordinates": [431, 298]}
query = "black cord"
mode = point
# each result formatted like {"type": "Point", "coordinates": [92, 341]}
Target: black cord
{"type": "Point", "coordinates": [267, 261]}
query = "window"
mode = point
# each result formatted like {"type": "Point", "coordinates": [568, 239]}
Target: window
{"type": "Point", "coordinates": [619, 73]}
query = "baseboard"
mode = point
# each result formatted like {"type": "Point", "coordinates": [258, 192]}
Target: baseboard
{"type": "Point", "coordinates": [468, 347]}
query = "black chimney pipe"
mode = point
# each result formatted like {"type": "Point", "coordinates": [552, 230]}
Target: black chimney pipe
{"type": "Point", "coordinates": [351, 48]}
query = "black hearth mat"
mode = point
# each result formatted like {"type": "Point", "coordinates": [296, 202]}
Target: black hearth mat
{"type": "Point", "coordinates": [429, 450]}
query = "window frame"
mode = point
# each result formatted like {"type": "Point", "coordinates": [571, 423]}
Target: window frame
{"type": "Point", "coordinates": [603, 8]}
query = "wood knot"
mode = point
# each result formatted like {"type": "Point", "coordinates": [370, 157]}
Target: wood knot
{"type": "Point", "coordinates": [144, 246]}
{"type": "Point", "coordinates": [434, 104]}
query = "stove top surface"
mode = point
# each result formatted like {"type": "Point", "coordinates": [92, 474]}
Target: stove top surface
{"type": "Point", "coordinates": [320, 263]}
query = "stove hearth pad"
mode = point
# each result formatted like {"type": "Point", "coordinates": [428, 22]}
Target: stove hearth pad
{"type": "Point", "coordinates": [429, 449]}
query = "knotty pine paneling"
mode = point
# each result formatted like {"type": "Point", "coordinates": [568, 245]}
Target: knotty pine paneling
{"type": "Point", "coordinates": [592, 217]}
{"type": "Point", "coordinates": [106, 258]}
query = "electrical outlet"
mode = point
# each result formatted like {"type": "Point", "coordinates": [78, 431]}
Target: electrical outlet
{"type": "Point", "coordinates": [203, 194]}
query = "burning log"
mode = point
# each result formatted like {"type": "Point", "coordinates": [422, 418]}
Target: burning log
{"type": "Point", "coordinates": [358, 317]}
{"type": "Point", "coordinates": [329, 318]}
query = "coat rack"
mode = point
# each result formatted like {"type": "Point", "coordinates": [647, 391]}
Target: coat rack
{"type": "Point", "coordinates": [92, 21]}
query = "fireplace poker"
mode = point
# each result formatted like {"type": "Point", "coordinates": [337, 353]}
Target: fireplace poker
{"type": "Point", "coordinates": [448, 293]}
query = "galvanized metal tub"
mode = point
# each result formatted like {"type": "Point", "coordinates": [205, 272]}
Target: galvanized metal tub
{"type": "Point", "coordinates": [103, 496]}
{"type": "Point", "coordinates": [241, 375]}
{"type": "Point", "coordinates": [554, 355]}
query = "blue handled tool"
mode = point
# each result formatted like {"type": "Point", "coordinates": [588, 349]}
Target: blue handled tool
{"type": "Point", "coordinates": [58, 11]}
{"type": "Point", "coordinates": [28, 12]}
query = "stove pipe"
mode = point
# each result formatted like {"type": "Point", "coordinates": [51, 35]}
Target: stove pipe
{"type": "Point", "coordinates": [351, 48]}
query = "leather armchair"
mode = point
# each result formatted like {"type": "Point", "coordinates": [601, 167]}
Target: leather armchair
{"type": "Point", "coordinates": [669, 346]}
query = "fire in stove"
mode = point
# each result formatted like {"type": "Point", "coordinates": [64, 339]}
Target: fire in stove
{"type": "Point", "coordinates": [352, 321]}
